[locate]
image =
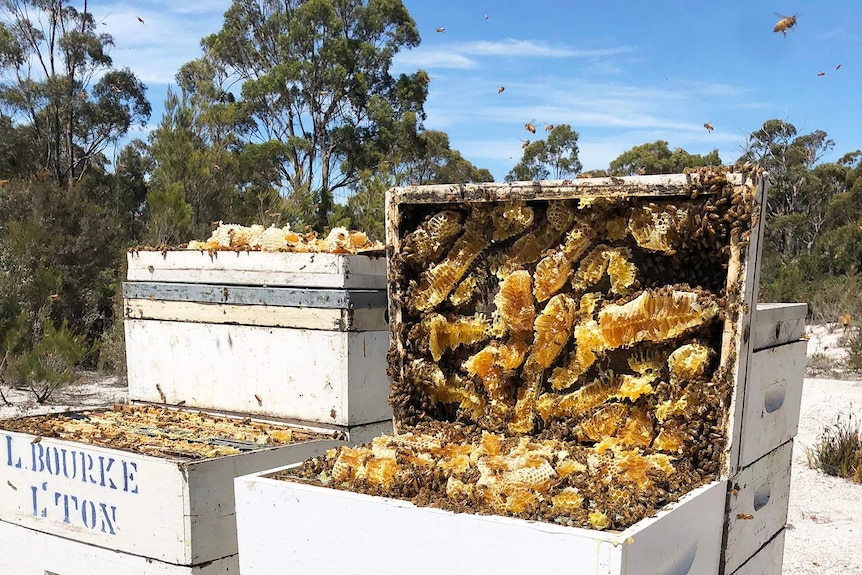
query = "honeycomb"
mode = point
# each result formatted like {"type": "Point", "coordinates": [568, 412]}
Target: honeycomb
{"type": "Point", "coordinates": [159, 431]}
{"type": "Point", "coordinates": [235, 237]}
{"type": "Point", "coordinates": [562, 360]}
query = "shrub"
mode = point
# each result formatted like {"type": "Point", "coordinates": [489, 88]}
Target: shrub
{"type": "Point", "coordinates": [838, 451]}
{"type": "Point", "coordinates": [50, 363]}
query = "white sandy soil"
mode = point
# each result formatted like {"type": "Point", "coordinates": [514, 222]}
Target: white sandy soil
{"type": "Point", "coordinates": [824, 523]}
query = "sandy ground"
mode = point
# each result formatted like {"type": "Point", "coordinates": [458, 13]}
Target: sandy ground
{"type": "Point", "coordinates": [824, 523]}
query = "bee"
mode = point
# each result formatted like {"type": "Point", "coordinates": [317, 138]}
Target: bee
{"type": "Point", "coordinates": [549, 127]}
{"type": "Point", "coordinates": [181, 403]}
{"type": "Point", "coordinates": [530, 127]}
{"type": "Point", "coordinates": [525, 144]}
{"type": "Point", "coordinates": [746, 516]}
{"type": "Point", "coordinates": [486, 16]}
{"type": "Point", "coordinates": [785, 24]}
{"type": "Point", "coordinates": [259, 400]}
{"type": "Point", "coordinates": [53, 297]}
{"type": "Point", "coordinates": [501, 89]}
{"type": "Point", "coordinates": [161, 393]}
{"type": "Point", "coordinates": [36, 439]}
{"type": "Point", "coordinates": [820, 74]}
{"type": "Point", "coordinates": [708, 127]}
{"type": "Point", "coordinates": [441, 30]}
{"type": "Point", "coordinates": [141, 20]}
{"type": "Point", "coordinates": [838, 67]}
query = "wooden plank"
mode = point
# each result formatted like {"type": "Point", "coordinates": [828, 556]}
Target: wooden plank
{"type": "Point", "coordinates": [757, 508]}
{"type": "Point", "coordinates": [256, 295]}
{"type": "Point", "coordinates": [105, 497]}
{"type": "Point", "coordinates": [282, 527]}
{"type": "Point", "coordinates": [258, 315]}
{"type": "Point", "coordinates": [737, 347]}
{"type": "Point", "coordinates": [26, 551]}
{"type": "Point", "coordinates": [773, 397]}
{"type": "Point", "coordinates": [259, 269]}
{"type": "Point", "coordinates": [778, 323]}
{"type": "Point", "coordinates": [768, 560]}
{"type": "Point", "coordinates": [654, 185]}
{"type": "Point", "coordinates": [297, 374]}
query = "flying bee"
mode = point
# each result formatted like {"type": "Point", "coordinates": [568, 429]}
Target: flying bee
{"type": "Point", "coordinates": [549, 127]}
{"type": "Point", "coordinates": [838, 67]}
{"type": "Point", "coordinates": [820, 74]}
{"type": "Point", "coordinates": [525, 144]}
{"type": "Point", "coordinates": [440, 30]}
{"type": "Point", "coordinates": [500, 89]}
{"type": "Point", "coordinates": [530, 127]}
{"type": "Point", "coordinates": [785, 24]}
{"type": "Point", "coordinates": [708, 127]}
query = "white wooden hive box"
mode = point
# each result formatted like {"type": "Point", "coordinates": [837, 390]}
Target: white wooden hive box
{"type": "Point", "coordinates": [283, 526]}
{"type": "Point", "coordinates": [172, 508]}
{"type": "Point", "coordinates": [298, 350]}
{"type": "Point", "coordinates": [391, 535]}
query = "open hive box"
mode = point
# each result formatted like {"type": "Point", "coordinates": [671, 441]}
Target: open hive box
{"type": "Point", "coordinates": [572, 353]}
{"type": "Point", "coordinates": [278, 324]}
{"type": "Point", "coordinates": [132, 489]}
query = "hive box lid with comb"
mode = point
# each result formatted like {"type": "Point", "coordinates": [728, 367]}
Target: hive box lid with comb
{"type": "Point", "coordinates": [296, 336]}
{"type": "Point", "coordinates": [613, 314]}
{"type": "Point", "coordinates": [146, 489]}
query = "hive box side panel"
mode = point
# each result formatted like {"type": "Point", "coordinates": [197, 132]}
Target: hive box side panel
{"type": "Point", "coordinates": [106, 497]}
{"type": "Point", "coordinates": [212, 511]}
{"type": "Point", "coordinates": [757, 508]}
{"type": "Point", "coordinates": [687, 540]}
{"type": "Point", "coordinates": [259, 268]}
{"type": "Point", "coordinates": [778, 323]}
{"type": "Point", "coordinates": [257, 315]}
{"type": "Point", "coordinates": [361, 434]}
{"type": "Point", "coordinates": [737, 339]}
{"type": "Point", "coordinates": [27, 552]}
{"type": "Point", "coordinates": [284, 373]}
{"type": "Point", "coordinates": [289, 528]}
{"type": "Point", "coordinates": [767, 561]}
{"type": "Point", "coordinates": [368, 398]}
{"type": "Point", "coordinates": [773, 398]}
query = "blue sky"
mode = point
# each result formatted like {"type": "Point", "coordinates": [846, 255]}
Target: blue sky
{"type": "Point", "coordinates": [620, 72]}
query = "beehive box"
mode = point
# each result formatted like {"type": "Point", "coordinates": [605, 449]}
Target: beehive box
{"type": "Point", "coordinates": [296, 336]}
{"type": "Point", "coordinates": [146, 481]}
{"type": "Point", "coordinates": [569, 354]}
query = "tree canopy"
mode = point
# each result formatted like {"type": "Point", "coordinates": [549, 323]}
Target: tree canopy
{"type": "Point", "coordinates": [555, 157]}
{"type": "Point", "coordinates": [657, 158]}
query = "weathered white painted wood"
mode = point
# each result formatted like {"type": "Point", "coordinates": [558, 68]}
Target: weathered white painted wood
{"type": "Point", "coordinates": [737, 346]}
{"type": "Point", "coordinates": [768, 560]}
{"type": "Point", "coordinates": [329, 377]}
{"type": "Point", "coordinates": [257, 315]}
{"type": "Point", "coordinates": [25, 551]}
{"type": "Point", "coordinates": [259, 268]}
{"type": "Point", "coordinates": [778, 323]}
{"type": "Point", "coordinates": [134, 503]}
{"type": "Point", "coordinates": [757, 508]}
{"type": "Point", "coordinates": [773, 396]}
{"type": "Point", "coordinates": [652, 185]}
{"type": "Point", "coordinates": [256, 295]}
{"type": "Point", "coordinates": [286, 527]}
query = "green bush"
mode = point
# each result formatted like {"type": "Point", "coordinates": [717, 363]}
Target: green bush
{"type": "Point", "coordinates": [50, 363]}
{"type": "Point", "coordinates": [838, 451]}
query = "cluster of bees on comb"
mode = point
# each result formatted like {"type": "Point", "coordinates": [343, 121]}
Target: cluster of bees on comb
{"type": "Point", "coordinates": [561, 360]}
{"type": "Point", "coordinates": [158, 431]}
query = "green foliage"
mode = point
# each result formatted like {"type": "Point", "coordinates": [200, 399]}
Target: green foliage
{"type": "Point", "coordinates": [67, 98]}
{"type": "Point", "coordinates": [838, 451]}
{"type": "Point", "coordinates": [431, 160]}
{"type": "Point", "coordinates": [317, 95]}
{"type": "Point", "coordinates": [50, 363]}
{"type": "Point", "coordinates": [555, 158]}
{"type": "Point", "coordinates": [657, 158]}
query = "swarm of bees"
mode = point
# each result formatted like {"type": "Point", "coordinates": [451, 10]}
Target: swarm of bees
{"type": "Point", "coordinates": [558, 359]}
{"type": "Point", "coordinates": [158, 431]}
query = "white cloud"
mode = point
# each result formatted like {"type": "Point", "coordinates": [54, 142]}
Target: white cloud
{"type": "Point", "coordinates": [463, 55]}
